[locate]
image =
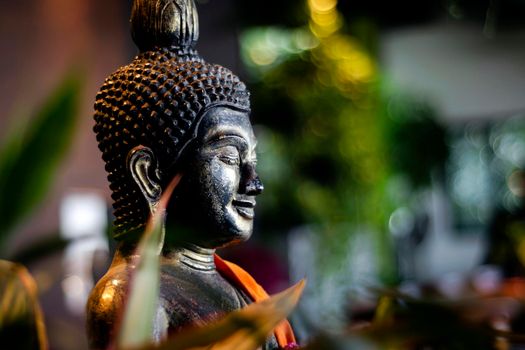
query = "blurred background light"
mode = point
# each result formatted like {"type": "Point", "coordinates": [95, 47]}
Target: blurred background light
{"type": "Point", "coordinates": [83, 214]}
{"type": "Point", "coordinates": [83, 222]}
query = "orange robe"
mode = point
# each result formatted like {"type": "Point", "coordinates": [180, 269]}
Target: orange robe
{"type": "Point", "coordinates": [244, 281]}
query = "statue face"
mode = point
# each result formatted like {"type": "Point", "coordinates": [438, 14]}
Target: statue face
{"type": "Point", "coordinates": [220, 183]}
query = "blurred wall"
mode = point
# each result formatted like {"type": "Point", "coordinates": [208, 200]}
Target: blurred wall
{"type": "Point", "coordinates": [468, 75]}
{"type": "Point", "coordinates": [41, 41]}
{"type": "Point", "coordinates": [462, 71]}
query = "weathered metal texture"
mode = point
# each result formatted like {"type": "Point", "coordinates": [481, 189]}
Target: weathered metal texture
{"type": "Point", "coordinates": [164, 23]}
{"type": "Point", "coordinates": [166, 113]}
{"type": "Point", "coordinates": [156, 101]}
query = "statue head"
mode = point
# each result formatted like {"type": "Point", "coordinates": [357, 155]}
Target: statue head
{"type": "Point", "coordinates": [169, 112]}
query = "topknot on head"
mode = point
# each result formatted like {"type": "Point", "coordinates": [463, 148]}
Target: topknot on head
{"type": "Point", "coordinates": [164, 23]}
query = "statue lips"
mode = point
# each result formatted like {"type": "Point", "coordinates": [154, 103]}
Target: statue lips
{"type": "Point", "coordinates": [245, 207]}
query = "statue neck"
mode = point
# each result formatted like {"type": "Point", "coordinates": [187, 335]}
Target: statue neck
{"type": "Point", "coordinates": [193, 256]}
{"type": "Point", "coordinates": [189, 255]}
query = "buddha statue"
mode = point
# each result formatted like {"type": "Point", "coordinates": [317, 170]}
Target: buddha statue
{"type": "Point", "coordinates": [171, 114]}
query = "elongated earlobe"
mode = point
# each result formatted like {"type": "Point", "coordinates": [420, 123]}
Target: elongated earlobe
{"type": "Point", "coordinates": [143, 167]}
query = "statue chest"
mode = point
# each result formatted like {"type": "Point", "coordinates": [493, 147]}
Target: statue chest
{"type": "Point", "coordinates": [191, 298]}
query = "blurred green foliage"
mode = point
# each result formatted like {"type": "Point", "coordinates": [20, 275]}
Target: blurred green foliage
{"type": "Point", "coordinates": [32, 152]}
{"type": "Point", "coordinates": [323, 157]}
{"type": "Point", "coordinates": [417, 142]}
{"type": "Point", "coordinates": [331, 137]}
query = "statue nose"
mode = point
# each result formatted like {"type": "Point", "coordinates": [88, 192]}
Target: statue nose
{"type": "Point", "coordinates": [251, 184]}
{"type": "Point", "coordinates": [255, 187]}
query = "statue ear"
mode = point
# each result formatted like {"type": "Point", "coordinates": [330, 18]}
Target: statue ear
{"type": "Point", "coordinates": [143, 166]}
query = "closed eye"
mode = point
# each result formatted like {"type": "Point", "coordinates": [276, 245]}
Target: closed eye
{"type": "Point", "coordinates": [229, 155]}
{"type": "Point", "coordinates": [230, 160]}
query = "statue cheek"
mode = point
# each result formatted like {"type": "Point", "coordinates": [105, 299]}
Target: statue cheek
{"type": "Point", "coordinates": [222, 180]}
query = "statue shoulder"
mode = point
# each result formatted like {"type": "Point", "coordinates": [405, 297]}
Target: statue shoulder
{"type": "Point", "coordinates": [105, 305]}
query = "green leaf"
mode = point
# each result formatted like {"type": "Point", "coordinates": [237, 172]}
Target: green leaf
{"type": "Point", "coordinates": [141, 306]}
{"type": "Point", "coordinates": [32, 152]}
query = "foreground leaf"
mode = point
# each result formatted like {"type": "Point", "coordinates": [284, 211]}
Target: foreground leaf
{"type": "Point", "coordinates": [245, 329]}
{"type": "Point", "coordinates": [141, 306]}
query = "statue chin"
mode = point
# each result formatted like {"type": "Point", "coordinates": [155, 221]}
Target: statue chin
{"type": "Point", "coordinates": [215, 232]}
{"type": "Point", "coordinates": [209, 224]}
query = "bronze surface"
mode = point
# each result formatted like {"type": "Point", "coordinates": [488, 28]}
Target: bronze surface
{"type": "Point", "coordinates": [166, 113]}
